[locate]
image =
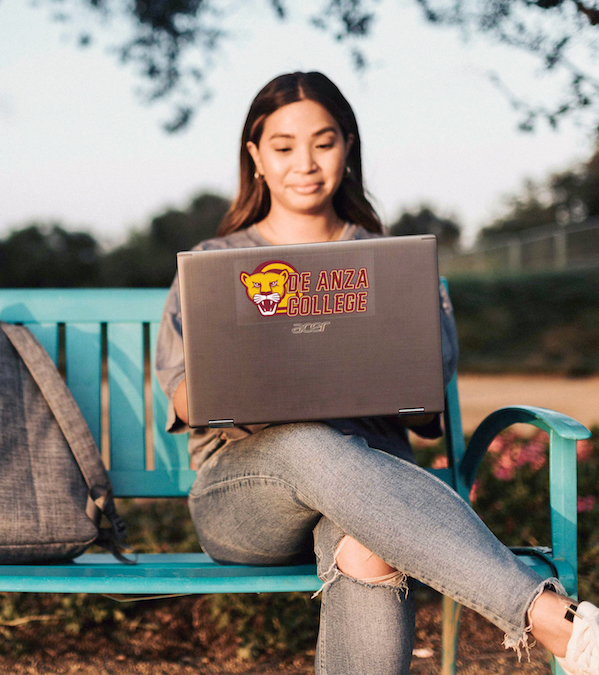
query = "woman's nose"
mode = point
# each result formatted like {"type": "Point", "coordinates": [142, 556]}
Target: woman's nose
{"type": "Point", "coordinates": [305, 161]}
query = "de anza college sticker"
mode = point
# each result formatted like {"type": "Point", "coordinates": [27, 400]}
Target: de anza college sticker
{"type": "Point", "coordinates": [276, 288]}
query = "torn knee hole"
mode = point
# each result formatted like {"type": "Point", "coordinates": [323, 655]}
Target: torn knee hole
{"type": "Point", "coordinates": [355, 560]}
{"type": "Point", "coordinates": [391, 577]}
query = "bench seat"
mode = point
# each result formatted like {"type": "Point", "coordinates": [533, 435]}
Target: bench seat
{"type": "Point", "coordinates": [156, 573]}
{"type": "Point", "coordinates": [169, 574]}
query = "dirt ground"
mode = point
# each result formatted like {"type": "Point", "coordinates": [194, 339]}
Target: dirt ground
{"type": "Point", "coordinates": [482, 394]}
{"type": "Point", "coordinates": [480, 653]}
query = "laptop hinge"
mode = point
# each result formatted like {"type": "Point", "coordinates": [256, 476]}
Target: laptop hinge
{"type": "Point", "coordinates": [220, 424]}
{"type": "Point", "coordinates": [410, 411]}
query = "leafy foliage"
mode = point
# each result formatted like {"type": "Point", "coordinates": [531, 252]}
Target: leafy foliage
{"type": "Point", "coordinates": [149, 257]}
{"type": "Point", "coordinates": [565, 197]}
{"type": "Point", "coordinates": [173, 44]}
{"type": "Point", "coordinates": [283, 623]}
{"type": "Point", "coordinates": [159, 526]}
{"type": "Point", "coordinates": [534, 323]}
{"type": "Point", "coordinates": [426, 221]}
{"type": "Point", "coordinates": [558, 32]}
{"type": "Point", "coordinates": [48, 255]}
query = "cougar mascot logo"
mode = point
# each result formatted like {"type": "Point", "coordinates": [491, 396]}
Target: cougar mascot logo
{"type": "Point", "coordinates": [267, 287]}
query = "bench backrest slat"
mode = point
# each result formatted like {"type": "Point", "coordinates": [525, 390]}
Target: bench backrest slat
{"type": "Point", "coordinates": [127, 401]}
{"type": "Point", "coordinates": [83, 353]}
{"type": "Point", "coordinates": [170, 450]}
{"type": "Point", "coordinates": [47, 336]}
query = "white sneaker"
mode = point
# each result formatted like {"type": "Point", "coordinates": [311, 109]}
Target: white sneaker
{"type": "Point", "coordinates": [582, 654]}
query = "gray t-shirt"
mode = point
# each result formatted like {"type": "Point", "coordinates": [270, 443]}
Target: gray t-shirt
{"type": "Point", "coordinates": [384, 433]}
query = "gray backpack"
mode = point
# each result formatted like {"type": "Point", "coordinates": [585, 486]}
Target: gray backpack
{"type": "Point", "coordinates": [53, 486]}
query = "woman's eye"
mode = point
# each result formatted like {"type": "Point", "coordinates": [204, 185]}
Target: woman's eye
{"type": "Point", "coordinates": [325, 145]}
{"type": "Point", "coordinates": [282, 149]}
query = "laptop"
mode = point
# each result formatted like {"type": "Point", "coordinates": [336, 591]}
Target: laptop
{"type": "Point", "coordinates": [276, 334]}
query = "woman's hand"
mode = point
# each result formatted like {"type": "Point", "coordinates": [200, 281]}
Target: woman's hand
{"type": "Point", "coordinates": [180, 402]}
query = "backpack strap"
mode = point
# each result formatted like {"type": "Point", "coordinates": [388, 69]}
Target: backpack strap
{"type": "Point", "coordinates": [100, 500]}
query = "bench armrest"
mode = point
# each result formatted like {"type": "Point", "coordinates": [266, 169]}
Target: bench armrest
{"type": "Point", "coordinates": [560, 427]}
{"type": "Point", "coordinates": [563, 433]}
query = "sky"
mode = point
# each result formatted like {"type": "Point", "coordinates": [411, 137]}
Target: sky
{"type": "Point", "coordinates": [77, 146]}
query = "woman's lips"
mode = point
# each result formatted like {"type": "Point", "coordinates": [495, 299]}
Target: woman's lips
{"type": "Point", "coordinates": [307, 189]}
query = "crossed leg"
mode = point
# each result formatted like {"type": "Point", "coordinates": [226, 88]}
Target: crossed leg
{"type": "Point", "coordinates": [257, 502]}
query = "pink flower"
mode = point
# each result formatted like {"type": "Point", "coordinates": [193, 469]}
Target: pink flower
{"type": "Point", "coordinates": [504, 467]}
{"type": "Point", "coordinates": [584, 450]}
{"type": "Point", "coordinates": [519, 455]}
{"type": "Point", "coordinates": [440, 462]}
{"type": "Point", "coordinates": [585, 504]}
{"type": "Point", "coordinates": [512, 451]}
{"type": "Point", "coordinates": [534, 453]}
{"type": "Point", "coordinates": [496, 445]}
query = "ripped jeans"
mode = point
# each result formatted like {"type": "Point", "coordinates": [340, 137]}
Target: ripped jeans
{"type": "Point", "coordinates": [274, 497]}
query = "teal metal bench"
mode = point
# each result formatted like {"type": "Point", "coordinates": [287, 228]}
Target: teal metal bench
{"type": "Point", "coordinates": [112, 332]}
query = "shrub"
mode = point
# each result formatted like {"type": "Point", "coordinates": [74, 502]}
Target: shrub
{"type": "Point", "coordinates": [544, 322]}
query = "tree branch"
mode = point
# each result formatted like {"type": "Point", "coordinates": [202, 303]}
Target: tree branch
{"type": "Point", "coordinates": [591, 13]}
{"type": "Point", "coordinates": [174, 43]}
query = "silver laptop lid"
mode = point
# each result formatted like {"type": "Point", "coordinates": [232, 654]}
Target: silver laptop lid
{"type": "Point", "coordinates": [311, 331]}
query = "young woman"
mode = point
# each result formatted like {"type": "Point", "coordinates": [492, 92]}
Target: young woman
{"type": "Point", "coordinates": [347, 491]}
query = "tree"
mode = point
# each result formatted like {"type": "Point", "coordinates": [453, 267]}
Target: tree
{"type": "Point", "coordinates": [148, 258]}
{"type": "Point", "coordinates": [173, 43]}
{"type": "Point", "coordinates": [180, 230]}
{"type": "Point", "coordinates": [42, 255]}
{"type": "Point", "coordinates": [560, 33]}
{"type": "Point", "coordinates": [566, 197]}
{"type": "Point", "coordinates": [426, 221]}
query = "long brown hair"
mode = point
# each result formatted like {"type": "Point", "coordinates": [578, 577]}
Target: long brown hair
{"type": "Point", "coordinates": [252, 203]}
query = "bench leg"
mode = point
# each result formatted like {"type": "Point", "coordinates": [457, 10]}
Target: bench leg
{"type": "Point", "coordinates": [449, 641]}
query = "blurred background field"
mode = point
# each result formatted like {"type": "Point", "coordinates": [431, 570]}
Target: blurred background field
{"type": "Point", "coordinates": [482, 393]}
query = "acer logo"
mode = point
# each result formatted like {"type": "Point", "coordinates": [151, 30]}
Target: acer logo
{"type": "Point", "coordinates": [310, 327]}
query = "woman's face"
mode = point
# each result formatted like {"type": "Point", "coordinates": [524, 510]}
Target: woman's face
{"type": "Point", "coordinates": [301, 155]}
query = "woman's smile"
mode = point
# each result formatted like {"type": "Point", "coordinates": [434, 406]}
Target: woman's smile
{"type": "Point", "coordinates": [307, 189]}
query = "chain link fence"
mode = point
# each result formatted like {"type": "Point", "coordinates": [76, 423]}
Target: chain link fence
{"type": "Point", "coordinates": [553, 247]}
